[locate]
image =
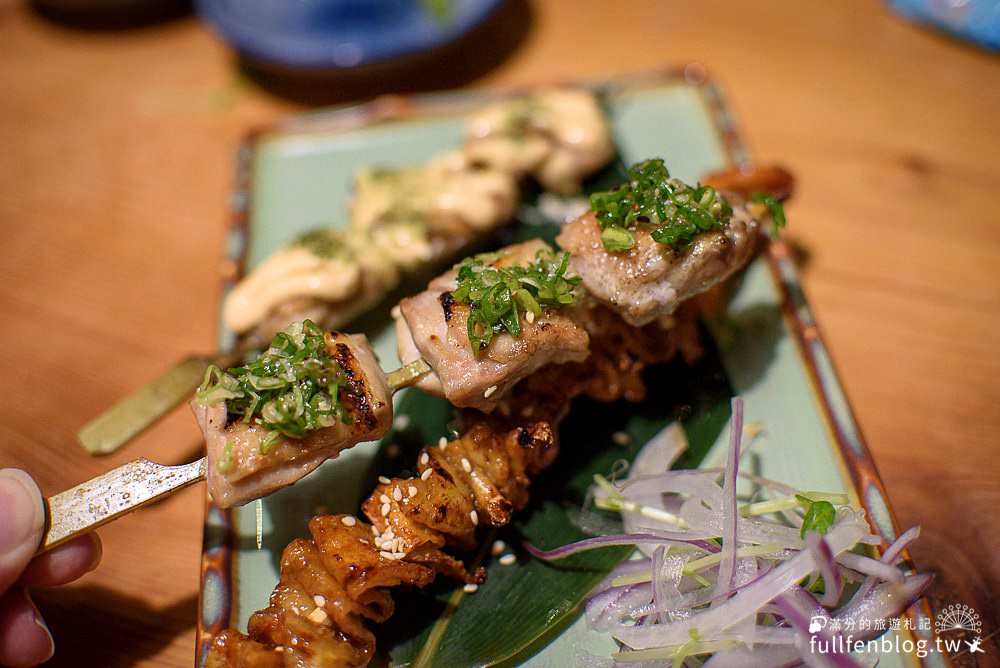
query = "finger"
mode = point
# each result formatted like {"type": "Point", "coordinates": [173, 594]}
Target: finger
{"type": "Point", "coordinates": [24, 638]}
{"type": "Point", "coordinates": [63, 564]}
{"type": "Point", "coordinates": [21, 523]}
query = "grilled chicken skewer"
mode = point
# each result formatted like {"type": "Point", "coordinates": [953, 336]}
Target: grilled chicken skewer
{"type": "Point", "coordinates": [399, 220]}
{"type": "Point", "coordinates": [140, 482]}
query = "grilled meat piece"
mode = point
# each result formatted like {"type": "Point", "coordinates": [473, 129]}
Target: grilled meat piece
{"type": "Point", "coordinates": [237, 469]}
{"type": "Point", "coordinates": [433, 325]}
{"type": "Point", "coordinates": [651, 279]}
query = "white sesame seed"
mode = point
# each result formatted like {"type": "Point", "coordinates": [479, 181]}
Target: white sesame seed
{"type": "Point", "coordinates": [383, 498]}
{"type": "Point", "coordinates": [426, 474]}
{"type": "Point", "coordinates": [401, 422]}
{"type": "Point", "coordinates": [498, 547]}
{"type": "Point", "coordinates": [397, 494]}
{"type": "Point", "coordinates": [320, 600]}
{"type": "Point", "coordinates": [489, 391]}
{"type": "Point", "coordinates": [442, 442]}
{"type": "Point", "coordinates": [375, 530]}
{"type": "Point", "coordinates": [348, 520]}
{"type": "Point", "coordinates": [466, 465]}
{"type": "Point", "coordinates": [508, 559]}
{"type": "Point", "coordinates": [318, 616]}
{"type": "Point", "coordinates": [474, 516]}
{"type": "Point", "coordinates": [382, 479]}
{"type": "Point", "coordinates": [621, 438]}
{"type": "Point", "coordinates": [424, 458]}
{"type": "Point", "coordinates": [386, 555]}
{"type": "Point", "coordinates": [412, 491]}
{"type": "Point", "coordinates": [385, 509]}
{"type": "Point", "coordinates": [530, 317]}
{"type": "Point", "coordinates": [389, 534]}
{"type": "Point", "coordinates": [470, 588]}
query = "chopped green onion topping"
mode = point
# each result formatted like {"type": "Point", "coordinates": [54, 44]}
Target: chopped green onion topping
{"type": "Point", "coordinates": [776, 208]}
{"type": "Point", "coordinates": [292, 388]}
{"type": "Point", "coordinates": [323, 243]}
{"type": "Point", "coordinates": [226, 460]}
{"type": "Point", "coordinates": [498, 296]}
{"type": "Point", "coordinates": [819, 517]}
{"type": "Point", "coordinates": [673, 211]}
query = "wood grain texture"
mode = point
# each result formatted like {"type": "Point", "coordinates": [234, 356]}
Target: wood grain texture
{"type": "Point", "coordinates": [116, 163]}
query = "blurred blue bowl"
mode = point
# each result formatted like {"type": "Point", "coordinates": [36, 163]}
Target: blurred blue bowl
{"type": "Point", "coordinates": [324, 35]}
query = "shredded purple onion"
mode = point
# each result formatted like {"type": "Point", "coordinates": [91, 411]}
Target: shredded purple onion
{"type": "Point", "coordinates": [598, 541]}
{"type": "Point", "coordinates": [798, 608]}
{"type": "Point", "coordinates": [833, 583]}
{"type": "Point", "coordinates": [730, 505]}
{"type": "Point", "coordinates": [747, 591]}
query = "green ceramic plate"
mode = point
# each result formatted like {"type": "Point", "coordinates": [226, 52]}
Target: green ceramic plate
{"type": "Point", "coordinates": [296, 177]}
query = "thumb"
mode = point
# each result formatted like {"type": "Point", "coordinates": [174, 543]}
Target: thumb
{"type": "Point", "coordinates": [22, 519]}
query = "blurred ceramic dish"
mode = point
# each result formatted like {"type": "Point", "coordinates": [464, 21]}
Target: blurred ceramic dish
{"type": "Point", "coordinates": [340, 34]}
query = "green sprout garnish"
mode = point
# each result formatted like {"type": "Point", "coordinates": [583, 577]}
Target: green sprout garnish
{"type": "Point", "coordinates": [292, 388]}
{"type": "Point", "coordinates": [673, 211]}
{"type": "Point", "coordinates": [819, 517]}
{"type": "Point", "coordinates": [498, 296]}
{"type": "Point", "coordinates": [776, 208]}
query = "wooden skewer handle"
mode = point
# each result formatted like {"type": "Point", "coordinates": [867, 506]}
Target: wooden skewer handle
{"type": "Point", "coordinates": [129, 417]}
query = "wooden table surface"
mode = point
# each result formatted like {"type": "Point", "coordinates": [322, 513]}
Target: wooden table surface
{"type": "Point", "coordinates": [116, 164]}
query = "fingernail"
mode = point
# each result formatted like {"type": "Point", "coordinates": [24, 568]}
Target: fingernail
{"type": "Point", "coordinates": [23, 516]}
{"type": "Point", "coordinates": [98, 552]}
{"type": "Point", "coordinates": [37, 618]}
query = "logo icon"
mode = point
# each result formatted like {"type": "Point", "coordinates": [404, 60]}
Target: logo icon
{"type": "Point", "coordinates": [817, 623]}
{"type": "Point", "coordinates": [958, 617]}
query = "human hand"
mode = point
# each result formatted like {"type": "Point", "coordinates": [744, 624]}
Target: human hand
{"type": "Point", "coordinates": [24, 638]}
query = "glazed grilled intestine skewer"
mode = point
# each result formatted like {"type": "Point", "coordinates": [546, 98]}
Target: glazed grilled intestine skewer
{"type": "Point", "coordinates": [334, 582]}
